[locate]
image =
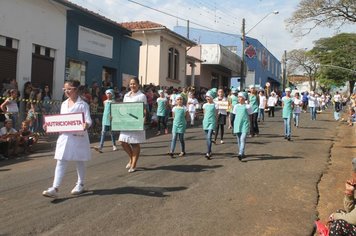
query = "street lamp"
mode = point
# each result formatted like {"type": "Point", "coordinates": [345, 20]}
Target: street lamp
{"type": "Point", "coordinates": [243, 39]}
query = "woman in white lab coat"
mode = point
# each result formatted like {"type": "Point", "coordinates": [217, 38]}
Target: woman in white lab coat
{"type": "Point", "coordinates": [72, 146]}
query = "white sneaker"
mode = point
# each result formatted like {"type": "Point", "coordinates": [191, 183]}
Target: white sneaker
{"type": "Point", "coordinates": [222, 141]}
{"type": "Point", "coordinates": [114, 148]}
{"type": "Point", "coordinates": [78, 189]}
{"type": "Point", "coordinates": [50, 192]}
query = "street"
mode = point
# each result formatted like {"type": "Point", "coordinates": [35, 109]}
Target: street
{"type": "Point", "coordinates": [273, 191]}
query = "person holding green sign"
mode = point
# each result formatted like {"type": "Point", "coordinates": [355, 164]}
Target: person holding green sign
{"type": "Point", "coordinates": [130, 140]}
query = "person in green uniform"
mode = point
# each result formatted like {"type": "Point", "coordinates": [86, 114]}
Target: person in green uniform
{"type": "Point", "coordinates": [179, 113]}
{"type": "Point", "coordinates": [106, 122]}
{"type": "Point", "coordinates": [232, 101]}
{"type": "Point", "coordinates": [209, 120]}
{"type": "Point", "coordinates": [162, 104]}
{"type": "Point", "coordinates": [254, 102]}
{"type": "Point", "coordinates": [242, 112]}
{"type": "Point", "coordinates": [287, 105]}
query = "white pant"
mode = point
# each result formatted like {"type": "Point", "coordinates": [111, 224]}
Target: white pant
{"type": "Point", "coordinates": [192, 117]}
{"type": "Point", "coordinates": [61, 170]}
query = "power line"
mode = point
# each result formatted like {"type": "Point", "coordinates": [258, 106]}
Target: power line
{"type": "Point", "coordinates": [177, 17]}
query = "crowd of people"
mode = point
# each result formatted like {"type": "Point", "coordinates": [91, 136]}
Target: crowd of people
{"type": "Point", "coordinates": [241, 111]}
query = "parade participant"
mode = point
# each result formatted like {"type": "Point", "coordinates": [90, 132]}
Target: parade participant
{"type": "Point", "coordinates": [192, 102]}
{"type": "Point", "coordinates": [312, 100]}
{"type": "Point", "coordinates": [209, 120]}
{"type": "Point", "coordinates": [253, 101]}
{"type": "Point", "coordinates": [271, 103]}
{"type": "Point", "coordinates": [130, 140]}
{"type": "Point", "coordinates": [242, 112]}
{"type": "Point", "coordinates": [162, 105]}
{"type": "Point", "coordinates": [287, 105]}
{"type": "Point", "coordinates": [221, 120]}
{"type": "Point", "coordinates": [179, 113]}
{"type": "Point", "coordinates": [106, 122]}
{"type": "Point", "coordinates": [10, 107]}
{"type": "Point", "coordinates": [72, 146]}
{"type": "Point", "coordinates": [232, 101]}
{"type": "Point", "coordinates": [262, 105]}
{"type": "Point", "coordinates": [298, 104]}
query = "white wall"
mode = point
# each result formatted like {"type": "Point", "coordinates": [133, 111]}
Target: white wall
{"type": "Point", "coordinates": [35, 22]}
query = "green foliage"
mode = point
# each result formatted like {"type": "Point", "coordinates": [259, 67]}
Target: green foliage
{"type": "Point", "coordinates": [337, 59]}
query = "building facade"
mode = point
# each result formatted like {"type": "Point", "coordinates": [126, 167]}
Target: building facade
{"type": "Point", "coordinates": [45, 42]}
{"type": "Point", "coordinates": [262, 66]}
{"type": "Point", "coordinates": [162, 54]}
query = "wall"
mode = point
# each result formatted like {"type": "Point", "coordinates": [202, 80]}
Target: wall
{"type": "Point", "coordinates": [96, 63]}
{"type": "Point", "coordinates": [149, 57]}
{"type": "Point", "coordinates": [35, 22]}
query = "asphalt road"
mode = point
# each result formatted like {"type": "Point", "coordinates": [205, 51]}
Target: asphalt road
{"type": "Point", "coordinates": [272, 192]}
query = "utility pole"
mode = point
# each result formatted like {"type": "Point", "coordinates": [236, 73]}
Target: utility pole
{"type": "Point", "coordinates": [187, 29]}
{"type": "Point", "coordinates": [284, 70]}
{"type": "Point", "coordinates": [242, 75]}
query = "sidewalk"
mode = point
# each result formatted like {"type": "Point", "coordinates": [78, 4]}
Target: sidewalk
{"type": "Point", "coordinates": [332, 184]}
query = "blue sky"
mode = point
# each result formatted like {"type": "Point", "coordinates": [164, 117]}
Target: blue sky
{"type": "Point", "coordinates": [215, 15]}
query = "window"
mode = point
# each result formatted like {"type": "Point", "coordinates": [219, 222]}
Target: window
{"type": "Point", "coordinates": [173, 64]}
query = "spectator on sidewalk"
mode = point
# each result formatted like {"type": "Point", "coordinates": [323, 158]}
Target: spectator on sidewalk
{"type": "Point", "coordinates": [10, 107]}
{"type": "Point", "coordinates": [26, 137]}
{"type": "Point", "coordinates": [8, 139]}
{"type": "Point", "coordinates": [343, 222]}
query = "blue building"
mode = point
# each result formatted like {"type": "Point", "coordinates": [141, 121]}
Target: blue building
{"type": "Point", "coordinates": [98, 49]}
{"type": "Point", "coordinates": [262, 66]}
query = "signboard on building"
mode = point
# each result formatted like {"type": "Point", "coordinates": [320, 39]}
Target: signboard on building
{"type": "Point", "coordinates": [94, 42]}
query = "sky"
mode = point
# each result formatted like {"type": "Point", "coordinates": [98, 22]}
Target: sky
{"type": "Point", "coordinates": [215, 15]}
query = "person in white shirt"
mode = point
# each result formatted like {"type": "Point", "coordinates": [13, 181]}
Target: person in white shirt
{"type": "Point", "coordinates": [222, 113]}
{"type": "Point", "coordinates": [192, 103]}
{"type": "Point", "coordinates": [271, 103]}
{"type": "Point", "coordinates": [298, 104]}
{"type": "Point", "coordinates": [337, 101]}
{"type": "Point", "coordinates": [262, 106]}
{"type": "Point", "coordinates": [312, 100]}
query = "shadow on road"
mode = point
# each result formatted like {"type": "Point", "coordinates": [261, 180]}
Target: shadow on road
{"type": "Point", "coordinates": [184, 168]}
{"type": "Point", "coordinates": [144, 191]}
{"type": "Point", "coordinates": [267, 157]}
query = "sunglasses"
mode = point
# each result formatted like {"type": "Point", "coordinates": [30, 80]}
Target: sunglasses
{"type": "Point", "coordinates": [68, 89]}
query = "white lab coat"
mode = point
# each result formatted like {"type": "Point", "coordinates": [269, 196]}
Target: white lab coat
{"type": "Point", "coordinates": [74, 146]}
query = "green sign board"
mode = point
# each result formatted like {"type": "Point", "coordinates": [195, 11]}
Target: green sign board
{"type": "Point", "coordinates": [127, 116]}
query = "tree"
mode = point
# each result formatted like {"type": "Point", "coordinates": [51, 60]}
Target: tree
{"type": "Point", "coordinates": [302, 62]}
{"type": "Point", "coordinates": [337, 59]}
{"type": "Point", "coordinates": [324, 13]}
